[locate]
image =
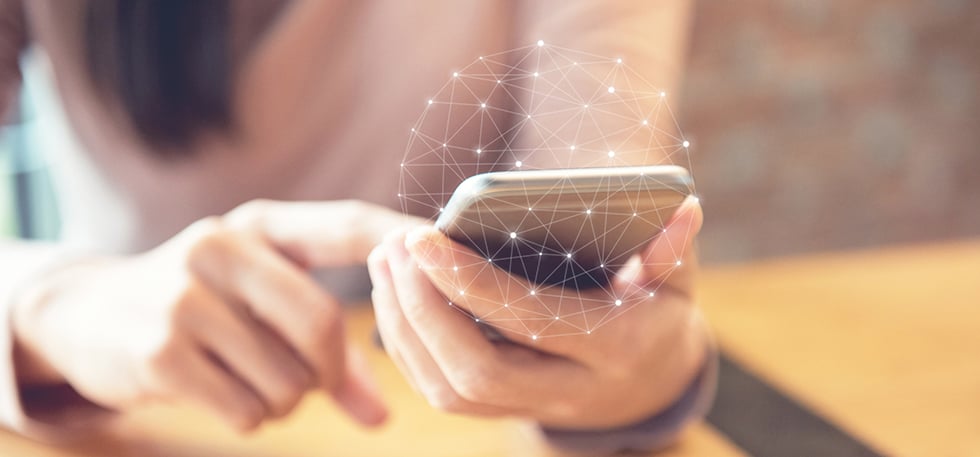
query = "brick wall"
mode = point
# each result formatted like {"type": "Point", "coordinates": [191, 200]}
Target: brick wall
{"type": "Point", "coordinates": [833, 125]}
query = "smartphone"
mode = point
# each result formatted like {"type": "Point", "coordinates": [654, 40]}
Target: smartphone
{"type": "Point", "coordinates": [567, 227]}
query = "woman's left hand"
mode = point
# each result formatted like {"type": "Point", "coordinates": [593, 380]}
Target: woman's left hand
{"type": "Point", "coordinates": [627, 370]}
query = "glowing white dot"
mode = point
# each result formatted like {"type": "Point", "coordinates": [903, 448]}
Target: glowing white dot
{"type": "Point", "coordinates": [478, 151]}
{"type": "Point", "coordinates": [696, 199]}
{"type": "Point", "coordinates": [455, 74]}
{"type": "Point", "coordinates": [611, 89]}
{"type": "Point", "coordinates": [528, 116]}
{"type": "Point", "coordinates": [663, 94]}
{"type": "Point", "coordinates": [612, 154]}
{"type": "Point", "coordinates": [399, 195]}
{"type": "Point", "coordinates": [477, 320]}
{"type": "Point", "coordinates": [574, 63]}
{"type": "Point", "coordinates": [634, 214]}
{"type": "Point", "coordinates": [481, 57]}
{"type": "Point", "coordinates": [540, 254]}
{"type": "Point", "coordinates": [530, 209]}
{"type": "Point", "coordinates": [569, 255]}
{"type": "Point", "coordinates": [430, 101]}
{"type": "Point", "coordinates": [678, 263]}
{"type": "Point", "coordinates": [462, 292]}
{"type": "Point", "coordinates": [498, 81]}
{"type": "Point", "coordinates": [645, 122]}
{"type": "Point", "coordinates": [413, 129]}
{"type": "Point", "coordinates": [513, 235]}
{"type": "Point", "coordinates": [651, 294]}
{"type": "Point", "coordinates": [686, 143]}
{"type": "Point", "coordinates": [618, 302]}
{"type": "Point", "coordinates": [518, 163]}
{"type": "Point", "coordinates": [588, 211]}
{"type": "Point", "coordinates": [403, 164]}
{"type": "Point", "coordinates": [483, 105]}
{"type": "Point", "coordinates": [585, 106]}
{"type": "Point", "coordinates": [490, 260]}
{"type": "Point", "coordinates": [534, 337]}
{"type": "Point", "coordinates": [556, 318]}
{"type": "Point", "coordinates": [444, 145]}
{"type": "Point", "coordinates": [602, 265]}
{"type": "Point", "coordinates": [441, 209]}
{"type": "Point", "coordinates": [588, 332]}
{"type": "Point", "coordinates": [540, 42]}
{"type": "Point", "coordinates": [506, 305]}
{"type": "Point", "coordinates": [533, 292]}
{"type": "Point", "coordinates": [572, 147]}
{"type": "Point", "coordinates": [619, 60]}
{"type": "Point", "coordinates": [455, 268]}
{"type": "Point", "coordinates": [536, 74]}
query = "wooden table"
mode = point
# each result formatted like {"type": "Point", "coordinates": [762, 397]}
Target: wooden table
{"type": "Point", "coordinates": [885, 344]}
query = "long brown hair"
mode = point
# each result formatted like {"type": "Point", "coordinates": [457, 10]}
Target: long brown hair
{"type": "Point", "coordinates": [167, 62]}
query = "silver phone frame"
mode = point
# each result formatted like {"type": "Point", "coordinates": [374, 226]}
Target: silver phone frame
{"type": "Point", "coordinates": [499, 184]}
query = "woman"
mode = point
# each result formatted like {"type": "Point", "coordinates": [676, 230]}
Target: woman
{"type": "Point", "coordinates": [183, 286]}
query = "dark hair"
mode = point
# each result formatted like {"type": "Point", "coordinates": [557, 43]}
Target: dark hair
{"type": "Point", "coordinates": [168, 63]}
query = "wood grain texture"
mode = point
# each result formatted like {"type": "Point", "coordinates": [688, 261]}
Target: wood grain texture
{"type": "Point", "coordinates": [885, 343]}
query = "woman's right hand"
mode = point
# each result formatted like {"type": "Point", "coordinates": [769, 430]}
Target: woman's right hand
{"type": "Point", "coordinates": [224, 315]}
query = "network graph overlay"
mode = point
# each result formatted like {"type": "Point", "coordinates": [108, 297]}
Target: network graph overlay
{"type": "Point", "coordinates": [544, 107]}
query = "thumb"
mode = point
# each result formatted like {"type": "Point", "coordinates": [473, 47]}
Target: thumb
{"type": "Point", "coordinates": [667, 255]}
{"type": "Point", "coordinates": [321, 234]}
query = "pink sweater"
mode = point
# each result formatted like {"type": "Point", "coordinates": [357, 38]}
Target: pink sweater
{"type": "Point", "coordinates": [323, 100]}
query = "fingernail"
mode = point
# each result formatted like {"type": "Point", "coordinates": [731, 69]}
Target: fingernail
{"type": "Point", "coordinates": [362, 370]}
{"type": "Point", "coordinates": [378, 266]}
{"type": "Point", "coordinates": [361, 396]}
{"type": "Point", "coordinates": [680, 218]}
{"type": "Point", "coordinates": [415, 236]}
{"type": "Point", "coordinates": [423, 250]}
{"type": "Point", "coordinates": [395, 247]}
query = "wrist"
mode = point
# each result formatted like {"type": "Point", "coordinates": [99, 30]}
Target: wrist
{"type": "Point", "coordinates": [654, 385]}
{"type": "Point", "coordinates": [685, 364]}
{"type": "Point", "coordinates": [652, 433]}
{"type": "Point", "coordinates": [29, 308]}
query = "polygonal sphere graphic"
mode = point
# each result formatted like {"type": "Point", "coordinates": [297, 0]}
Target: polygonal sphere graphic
{"type": "Point", "coordinates": [545, 107]}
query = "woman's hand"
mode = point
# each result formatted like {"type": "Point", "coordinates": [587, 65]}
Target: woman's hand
{"type": "Point", "coordinates": [625, 371]}
{"type": "Point", "coordinates": [223, 315]}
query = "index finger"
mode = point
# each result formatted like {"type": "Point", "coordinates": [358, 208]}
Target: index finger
{"type": "Point", "coordinates": [321, 234]}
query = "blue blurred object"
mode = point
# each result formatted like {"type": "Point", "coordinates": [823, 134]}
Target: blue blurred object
{"type": "Point", "coordinates": [28, 209]}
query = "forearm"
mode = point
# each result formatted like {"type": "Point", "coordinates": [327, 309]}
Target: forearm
{"type": "Point", "coordinates": [20, 263]}
{"type": "Point", "coordinates": [25, 379]}
{"type": "Point", "coordinates": [650, 38]}
{"type": "Point", "coordinates": [39, 265]}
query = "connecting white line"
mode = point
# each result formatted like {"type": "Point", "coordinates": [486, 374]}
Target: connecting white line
{"type": "Point", "coordinates": [546, 106]}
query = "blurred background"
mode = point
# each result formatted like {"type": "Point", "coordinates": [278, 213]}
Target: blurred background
{"type": "Point", "coordinates": [815, 126]}
{"type": "Point", "coordinates": [833, 125]}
